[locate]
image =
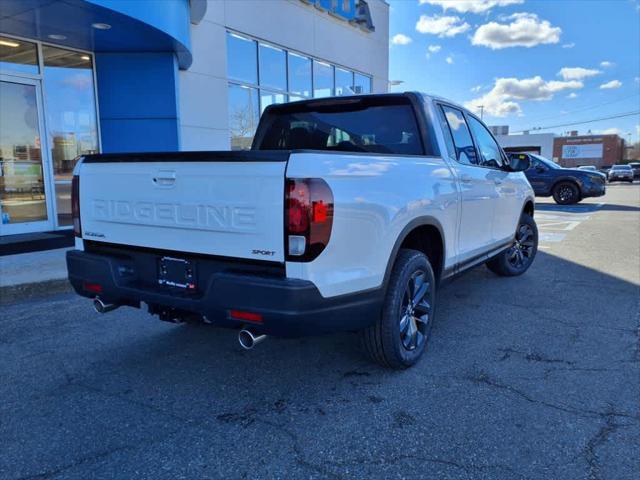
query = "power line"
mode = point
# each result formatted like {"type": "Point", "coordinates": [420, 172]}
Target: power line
{"type": "Point", "coordinates": [618, 115]}
{"type": "Point", "coordinates": [591, 107]}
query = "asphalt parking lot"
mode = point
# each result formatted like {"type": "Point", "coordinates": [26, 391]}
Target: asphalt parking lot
{"type": "Point", "coordinates": [535, 377]}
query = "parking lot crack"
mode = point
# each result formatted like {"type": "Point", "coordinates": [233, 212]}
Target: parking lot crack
{"type": "Point", "coordinates": [81, 461]}
{"type": "Point", "coordinates": [590, 449]}
{"type": "Point", "coordinates": [484, 379]}
{"type": "Point", "coordinates": [531, 356]}
{"type": "Point", "coordinates": [299, 455]}
{"type": "Point", "coordinates": [470, 469]}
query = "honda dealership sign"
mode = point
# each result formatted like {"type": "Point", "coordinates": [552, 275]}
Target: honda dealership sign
{"type": "Point", "coordinates": [587, 150]}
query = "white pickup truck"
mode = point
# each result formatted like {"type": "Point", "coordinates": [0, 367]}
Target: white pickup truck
{"type": "Point", "coordinates": [345, 215]}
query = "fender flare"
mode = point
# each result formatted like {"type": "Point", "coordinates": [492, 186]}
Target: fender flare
{"type": "Point", "coordinates": [408, 228]}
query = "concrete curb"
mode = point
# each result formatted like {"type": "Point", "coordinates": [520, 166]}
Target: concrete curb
{"type": "Point", "coordinates": [26, 291]}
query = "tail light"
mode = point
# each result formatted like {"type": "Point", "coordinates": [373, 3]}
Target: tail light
{"type": "Point", "coordinates": [75, 205]}
{"type": "Point", "coordinates": [308, 218]}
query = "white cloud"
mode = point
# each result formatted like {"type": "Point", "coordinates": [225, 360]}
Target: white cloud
{"type": "Point", "coordinates": [434, 48]}
{"type": "Point", "coordinates": [449, 60]}
{"type": "Point", "coordinates": [578, 73]}
{"type": "Point", "coordinates": [611, 131]}
{"type": "Point", "coordinates": [502, 99]}
{"type": "Point", "coordinates": [525, 30]}
{"type": "Point", "coordinates": [476, 89]}
{"type": "Point", "coordinates": [443, 26]}
{"type": "Point", "coordinates": [568, 45]}
{"type": "Point", "coordinates": [572, 95]}
{"type": "Point", "coordinates": [611, 84]}
{"type": "Point", "coordinates": [473, 6]}
{"type": "Point", "coordinates": [607, 64]}
{"type": "Point", "coordinates": [401, 39]}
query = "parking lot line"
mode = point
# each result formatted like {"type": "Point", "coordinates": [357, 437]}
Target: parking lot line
{"type": "Point", "coordinates": [554, 220]}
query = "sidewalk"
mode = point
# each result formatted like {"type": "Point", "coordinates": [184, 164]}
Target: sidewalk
{"type": "Point", "coordinates": [30, 275]}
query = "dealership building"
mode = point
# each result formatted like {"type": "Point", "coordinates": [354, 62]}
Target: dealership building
{"type": "Point", "coordinates": [87, 76]}
{"type": "Point", "coordinates": [572, 150]}
{"type": "Point", "coordinates": [597, 150]}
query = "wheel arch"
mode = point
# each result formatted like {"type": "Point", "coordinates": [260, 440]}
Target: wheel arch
{"type": "Point", "coordinates": [529, 207]}
{"type": "Point", "coordinates": [424, 234]}
{"type": "Point", "coordinates": [571, 180]}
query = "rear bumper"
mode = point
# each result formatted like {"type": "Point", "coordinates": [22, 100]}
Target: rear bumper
{"type": "Point", "coordinates": [289, 307]}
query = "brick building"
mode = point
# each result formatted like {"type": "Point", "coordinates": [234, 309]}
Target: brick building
{"type": "Point", "coordinates": [598, 150]}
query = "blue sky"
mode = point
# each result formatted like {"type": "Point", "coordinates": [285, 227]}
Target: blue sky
{"type": "Point", "coordinates": [531, 63]}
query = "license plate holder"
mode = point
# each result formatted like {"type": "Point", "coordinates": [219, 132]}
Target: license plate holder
{"type": "Point", "coordinates": [177, 272]}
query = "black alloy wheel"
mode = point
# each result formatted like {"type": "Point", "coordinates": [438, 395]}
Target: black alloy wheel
{"type": "Point", "coordinates": [414, 311]}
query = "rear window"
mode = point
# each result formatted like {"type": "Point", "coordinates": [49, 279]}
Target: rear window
{"type": "Point", "coordinates": [350, 126]}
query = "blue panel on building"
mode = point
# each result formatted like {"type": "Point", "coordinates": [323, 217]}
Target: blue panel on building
{"type": "Point", "coordinates": [137, 98]}
{"type": "Point", "coordinates": [139, 135]}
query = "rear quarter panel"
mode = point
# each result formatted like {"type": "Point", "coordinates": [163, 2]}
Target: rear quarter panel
{"type": "Point", "coordinates": [375, 197]}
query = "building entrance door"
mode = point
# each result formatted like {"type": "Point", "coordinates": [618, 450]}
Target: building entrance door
{"type": "Point", "coordinates": [25, 200]}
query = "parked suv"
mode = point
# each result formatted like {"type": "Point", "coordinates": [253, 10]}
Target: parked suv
{"type": "Point", "coordinates": [565, 185]}
{"type": "Point", "coordinates": [635, 166]}
{"type": "Point", "coordinates": [621, 172]}
{"type": "Point", "coordinates": [346, 215]}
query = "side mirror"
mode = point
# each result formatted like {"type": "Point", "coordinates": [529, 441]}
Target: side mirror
{"type": "Point", "coordinates": [519, 162]}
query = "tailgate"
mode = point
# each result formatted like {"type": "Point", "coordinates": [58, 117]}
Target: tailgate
{"type": "Point", "coordinates": [231, 208]}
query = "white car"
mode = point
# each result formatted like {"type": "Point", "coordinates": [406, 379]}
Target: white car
{"type": "Point", "coordinates": [346, 215]}
{"type": "Point", "coordinates": [620, 172]}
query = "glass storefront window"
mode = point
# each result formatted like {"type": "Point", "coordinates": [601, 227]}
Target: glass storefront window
{"type": "Point", "coordinates": [269, 98]}
{"type": "Point", "coordinates": [244, 112]}
{"type": "Point", "coordinates": [281, 76]}
{"type": "Point", "coordinates": [22, 196]}
{"type": "Point", "coordinates": [18, 56]}
{"type": "Point", "coordinates": [322, 79]}
{"type": "Point", "coordinates": [299, 75]}
{"type": "Point", "coordinates": [344, 82]}
{"type": "Point", "coordinates": [273, 67]}
{"type": "Point", "coordinates": [362, 83]}
{"type": "Point", "coordinates": [242, 59]}
{"type": "Point", "coordinates": [70, 109]}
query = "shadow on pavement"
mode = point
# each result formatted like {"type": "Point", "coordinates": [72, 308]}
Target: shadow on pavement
{"type": "Point", "coordinates": [529, 377]}
{"type": "Point", "coordinates": [585, 208]}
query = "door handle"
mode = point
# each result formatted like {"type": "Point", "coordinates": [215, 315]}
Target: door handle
{"type": "Point", "coordinates": [165, 178]}
{"type": "Point", "coordinates": [498, 181]}
{"type": "Point", "coordinates": [465, 178]}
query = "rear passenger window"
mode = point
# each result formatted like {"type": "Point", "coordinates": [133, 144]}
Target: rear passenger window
{"type": "Point", "coordinates": [465, 151]}
{"type": "Point", "coordinates": [490, 154]}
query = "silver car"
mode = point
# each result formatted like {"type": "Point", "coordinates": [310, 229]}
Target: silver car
{"type": "Point", "coordinates": [621, 172]}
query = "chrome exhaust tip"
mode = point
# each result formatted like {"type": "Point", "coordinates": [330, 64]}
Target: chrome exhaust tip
{"type": "Point", "coordinates": [100, 307]}
{"type": "Point", "coordinates": [248, 340]}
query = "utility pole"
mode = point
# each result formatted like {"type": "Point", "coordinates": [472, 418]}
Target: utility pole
{"type": "Point", "coordinates": [481, 107]}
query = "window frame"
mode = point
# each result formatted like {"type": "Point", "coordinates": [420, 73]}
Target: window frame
{"type": "Point", "coordinates": [287, 93]}
{"type": "Point", "coordinates": [387, 99]}
{"type": "Point", "coordinates": [466, 114]}
{"type": "Point", "coordinates": [44, 94]}
{"type": "Point", "coordinates": [286, 67]}
{"type": "Point", "coordinates": [442, 105]}
{"type": "Point", "coordinates": [290, 92]}
{"type": "Point", "coordinates": [500, 150]}
{"type": "Point", "coordinates": [256, 45]}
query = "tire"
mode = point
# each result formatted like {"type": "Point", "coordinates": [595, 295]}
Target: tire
{"type": "Point", "coordinates": [566, 193]}
{"type": "Point", "coordinates": [400, 335]}
{"type": "Point", "coordinates": [518, 258]}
